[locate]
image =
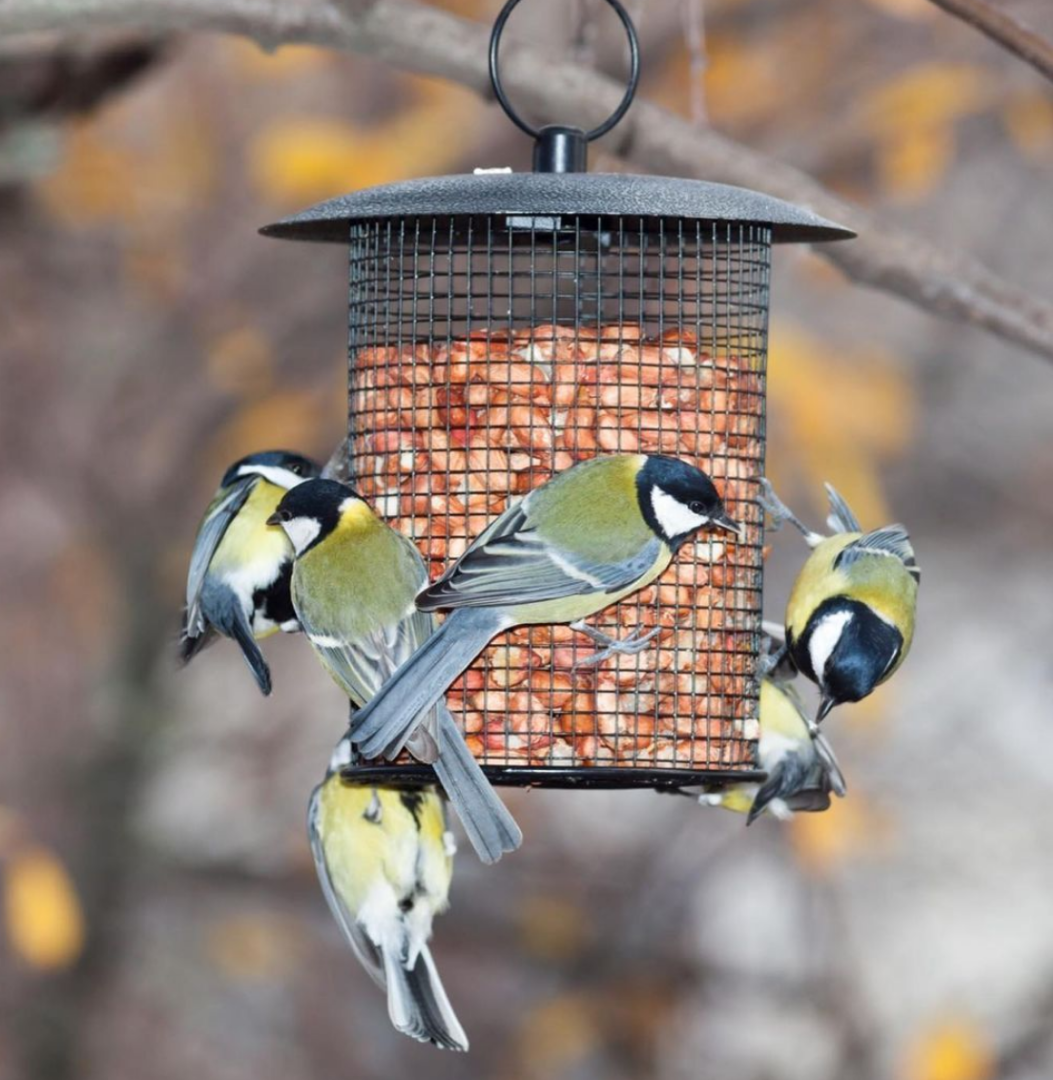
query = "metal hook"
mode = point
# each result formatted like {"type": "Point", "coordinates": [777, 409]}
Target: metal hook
{"type": "Point", "coordinates": [597, 132]}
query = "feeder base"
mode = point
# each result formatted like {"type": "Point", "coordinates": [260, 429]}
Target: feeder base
{"type": "Point", "coordinates": [669, 780]}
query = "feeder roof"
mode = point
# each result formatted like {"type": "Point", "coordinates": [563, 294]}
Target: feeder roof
{"type": "Point", "coordinates": [582, 194]}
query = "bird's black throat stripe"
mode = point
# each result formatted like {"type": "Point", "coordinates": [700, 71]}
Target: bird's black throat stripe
{"type": "Point", "coordinates": [274, 601]}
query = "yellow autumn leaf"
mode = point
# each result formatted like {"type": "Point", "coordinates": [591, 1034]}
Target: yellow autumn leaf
{"type": "Point", "coordinates": [111, 173]}
{"type": "Point", "coordinates": [836, 415]}
{"type": "Point", "coordinates": [1028, 120]}
{"type": "Point", "coordinates": [953, 1048]}
{"type": "Point", "coordinates": [912, 164]}
{"type": "Point", "coordinates": [925, 96]}
{"type": "Point", "coordinates": [850, 829]}
{"type": "Point", "coordinates": [42, 913]}
{"type": "Point", "coordinates": [297, 160]}
{"type": "Point", "coordinates": [304, 160]}
{"type": "Point", "coordinates": [92, 183]}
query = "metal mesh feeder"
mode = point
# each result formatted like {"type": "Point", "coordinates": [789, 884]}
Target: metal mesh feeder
{"type": "Point", "coordinates": [504, 327]}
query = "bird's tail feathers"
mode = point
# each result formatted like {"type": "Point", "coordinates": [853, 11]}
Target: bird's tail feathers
{"type": "Point", "coordinates": [490, 827]}
{"type": "Point", "coordinates": [242, 634]}
{"type": "Point", "coordinates": [784, 779]}
{"type": "Point", "coordinates": [417, 1002]}
{"type": "Point", "coordinates": [382, 728]}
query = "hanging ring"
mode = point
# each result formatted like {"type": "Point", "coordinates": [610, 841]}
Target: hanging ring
{"type": "Point", "coordinates": [630, 90]}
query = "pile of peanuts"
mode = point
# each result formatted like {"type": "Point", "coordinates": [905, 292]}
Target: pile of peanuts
{"type": "Point", "coordinates": [446, 435]}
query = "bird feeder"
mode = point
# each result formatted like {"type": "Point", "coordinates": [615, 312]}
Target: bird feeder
{"type": "Point", "coordinates": [504, 326]}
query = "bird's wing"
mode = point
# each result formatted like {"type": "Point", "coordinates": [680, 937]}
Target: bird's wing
{"type": "Point", "coordinates": [809, 800]}
{"type": "Point", "coordinates": [786, 778]}
{"type": "Point", "coordinates": [834, 778]}
{"type": "Point", "coordinates": [510, 563]}
{"type": "Point", "coordinates": [841, 518]}
{"type": "Point", "coordinates": [367, 953]}
{"type": "Point", "coordinates": [363, 667]}
{"type": "Point", "coordinates": [221, 512]}
{"type": "Point", "coordinates": [360, 668]}
{"type": "Point", "coordinates": [892, 541]}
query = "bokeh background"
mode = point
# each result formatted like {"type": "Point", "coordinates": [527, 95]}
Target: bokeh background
{"type": "Point", "coordinates": [160, 913]}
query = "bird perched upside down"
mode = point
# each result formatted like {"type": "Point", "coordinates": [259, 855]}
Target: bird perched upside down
{"type": "Point", "coordinates": [575, 545]}
{"type": "Point", "coordinates": [850, 615]}
{"type": "Point", "coordinates": [238, 584]}
{"type": "Point", "coordinates": [802, 770]}
{"type": "Point", "coordinates": [385, 860]}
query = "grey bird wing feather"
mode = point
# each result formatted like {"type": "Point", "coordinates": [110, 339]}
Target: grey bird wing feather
{"type": "Point", "coordinates": [891, 541]}
{"type": "Point", "coordinates": [831, 769]}
{"type": "Point", "coordinates": [841, 518]}
{"type": "Point", "coordinates": [220, 514]}
{"type": "Point", "coordinates": [511, 564]}
{"type": "Point", "coordinates": [365, 951]}
{"type": "Point", "coordinates": [809, 800]}
{"type": "Point", "coordinates": [363, 668]}
{"type": "Point", "coordinates": [383, 726]}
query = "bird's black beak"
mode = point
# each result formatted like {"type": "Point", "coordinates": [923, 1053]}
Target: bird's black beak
{"type": "Point", "coordinates": [273, 519]}
{"type": "Point", "coordinates": [825, 706]}
{"type": "Point", "coordinates": [724, 521]}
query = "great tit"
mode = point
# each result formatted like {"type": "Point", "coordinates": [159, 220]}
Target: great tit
{"type": "Point", "coordinates": [238, 584]}
{"type": "Point", "coordinates": [575, 545]}
{"type": "Point", "coordinates": [850, 616]}
{"type": "Point", "coordinates": [384, 860]}
{"type": "Point", "coordinates": [801, 768]}
{"type": "Point", "coordinates": [354, 581]}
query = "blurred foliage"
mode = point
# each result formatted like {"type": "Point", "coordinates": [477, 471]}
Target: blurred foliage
{"type": "Point", "coordinates": [42, 914]}
{"type": "Point", "coordinates": [295, 161]}
{"type": "Point", "coordinates": [950, 1048]}
{"type": "Point", "coordinates": [841, 415]}
{"type": "Point", "coordinates": [1028, 117]}
{"type": "Point", "coordinates": [254, 946]}
{"type": "Point", "coordinates": [851, 829]}
{"type": "Point", "coordinates": [911, 119]}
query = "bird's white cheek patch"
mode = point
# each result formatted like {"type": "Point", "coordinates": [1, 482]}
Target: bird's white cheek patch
{"type": "Point", "coordinates": [301, 532]}
{"type": "Point", "coordinates": [674, 517]}
{"type": "Point", "coordinates": [824, 640]}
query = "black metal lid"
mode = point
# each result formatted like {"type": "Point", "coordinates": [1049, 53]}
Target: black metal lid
{"type": "Point", "coordinates": [583, 194]}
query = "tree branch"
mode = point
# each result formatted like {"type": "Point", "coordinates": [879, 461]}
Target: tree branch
{"type": "Point", "coordinates": [1004, 29]}
{"type": "Point", "coordinates": [425, 40]}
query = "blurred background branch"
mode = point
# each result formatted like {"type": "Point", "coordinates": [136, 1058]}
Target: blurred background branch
{"type": "Point", "coordinates": [1001, 27]}
{"type": "Point", "coordinates": [419, 38]}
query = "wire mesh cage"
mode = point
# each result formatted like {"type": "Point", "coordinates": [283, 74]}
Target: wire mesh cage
{"type": "Point", "coordinates": [504, 328]}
